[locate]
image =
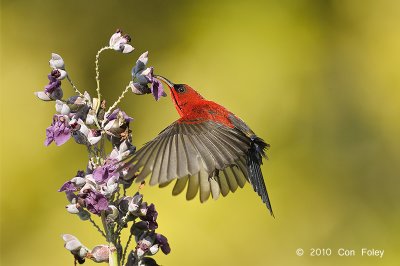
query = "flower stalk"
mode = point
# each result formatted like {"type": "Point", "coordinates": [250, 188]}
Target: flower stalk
{"type": "Point", "coordinates": [97, 70]}
{"type": "Point", "coordinates": [119, 99]}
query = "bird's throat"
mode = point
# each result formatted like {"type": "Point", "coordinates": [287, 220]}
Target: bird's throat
{"type": "Point", "coordinates": [177, 106]}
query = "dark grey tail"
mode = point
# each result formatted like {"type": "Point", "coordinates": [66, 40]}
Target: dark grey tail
{"type": "Point", "coordinates": [254, 160]}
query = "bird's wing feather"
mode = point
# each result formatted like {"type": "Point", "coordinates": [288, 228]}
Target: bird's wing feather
{"type": "Point", "coordinates": [254, 160]}
{"type": "Point", "coordinates": [206, 155]}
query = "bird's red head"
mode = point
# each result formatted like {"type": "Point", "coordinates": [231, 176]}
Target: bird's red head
{"type": "Point", "coordinates": [183, 96]}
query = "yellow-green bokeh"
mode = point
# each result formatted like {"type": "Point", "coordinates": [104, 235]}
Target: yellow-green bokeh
{"type": "Point", "coordinates": [319, 80]}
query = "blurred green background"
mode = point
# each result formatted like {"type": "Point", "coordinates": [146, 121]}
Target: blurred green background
{"type": "Point", "coordinates": [316, 79]}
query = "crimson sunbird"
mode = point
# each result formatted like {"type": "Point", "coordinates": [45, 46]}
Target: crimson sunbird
{"type": "Point", "coordinates": [208, 147]}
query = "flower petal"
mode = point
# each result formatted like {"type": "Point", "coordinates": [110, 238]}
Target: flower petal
{"type": "Point", "coordinates": [62, 138]}
{"type": "Point", "coordinates": [43, 96]}
{"type": "Point", "coordinates": [71, 242]}
{"type": "Point", "coordinates": [72, 208]}
{"type": "Point", "coordinates": [100, 253]}
{"type": "Point", "coordinates": [115, 38]}
{"type": "Point", "coordinates": [49, 136]}
{"type": "Point", "coordinates": [144, 58]}
{"type": "Point", "coordinates": [154, 249]}
{"type": "Point", "coordinates": [68, 186]}
{"type": "Point", "coordinates": [62, 108]}
{"type": "Point", "coordinates": [140, 64]}
{"type": "Point", "coordinates": [63, 74]}
{"type": "Point", "coordinates": [139, 89]}
{"type": "Point", "coordinates": [157, 89]}
{"type": "Point", "coordinates": [56, 61]}
{"type": "Point", "coordinates": [127, 48]}
{"type": "Point", "coordinates": [93, 139]}
{"type": "Point", "coordinates": [163, 241]}
{"type": "Point", "coordinates": [83, 128]}
{"type": "Point", "coordinates": [56, 94]}
{"type": "Point", "coordinates": [90, 118]}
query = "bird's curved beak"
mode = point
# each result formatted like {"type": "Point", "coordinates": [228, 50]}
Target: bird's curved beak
{"type": "Point", "coordinates": [167, 81]}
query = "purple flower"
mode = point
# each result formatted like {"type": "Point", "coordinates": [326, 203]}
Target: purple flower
{"type": "Point", "coordinates": [151, 217]}
{"type": "Point", "coordinates": [68, 186]}
{"type": "Point", "coordinates": [163, 242]}
{"type": "Point", "coordinates": [106, 171]}
{"type": "Point", "coordinates": [54, 83]}
{"type": "Point", "coordinates": [145, 77]}
{"type": "Point", "coordinates": [59, 131]}
{"type": "Point", "coordinates": [118, 114]}
{"type": "Point", "coordinates": [74, 183]}
{"type": "Point", "coordinates": [95, 202]}
{"type": "Point", "coordinates": [53, 89]}
{"type": "Point", "coordinates": [157, 89]}
{"type": "Point", "coordinates": [138, 228]}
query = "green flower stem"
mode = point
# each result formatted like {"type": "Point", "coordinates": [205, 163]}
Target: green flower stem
{"type": "Point", "coordinates": [113, 255]}
{"type": "Point", "coordinates": [73, 86]}
{"type": "Point", "coordinates": [98, 72]}
{"type": "Point", "coordinates": [119, 100]}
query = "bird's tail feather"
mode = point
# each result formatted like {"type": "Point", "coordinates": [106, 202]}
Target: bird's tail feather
{"type": "Point", "coordinates": [254, 160]}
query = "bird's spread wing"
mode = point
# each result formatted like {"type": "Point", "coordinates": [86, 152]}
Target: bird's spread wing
{"type": "Point", "coordinates": [208, 156]}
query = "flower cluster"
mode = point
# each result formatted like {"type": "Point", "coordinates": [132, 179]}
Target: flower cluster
{"type": "Point", "coordinates": [100, 190]}
{"type": "Point", "coordinates": [125, 210]}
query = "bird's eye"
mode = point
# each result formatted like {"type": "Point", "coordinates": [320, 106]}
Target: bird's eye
{"type": "Point", "coordinates": [181, 89]}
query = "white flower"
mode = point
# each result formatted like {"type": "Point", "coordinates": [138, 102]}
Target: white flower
{"type": "Point", "coordinates": [89, 178]}
{"type": "Point", "coordinates": [62, 108]}
{"type": "Point", "coordinates": [43, 96]}
{"type": "Point", "coordinates": [125, 149]}
{"type": "Point", "coordinates": [110, 187]}
{"type": "Point", "coordinates": [86, 187]}
{"type": "Point", "coordinates": [144, 58]}
{"type": "Point", "coordinates": [79, 181]}
{"type": "Point", "coordinates": [121, 43]}
{"type": "Point", "coordinates": [154, 249]}
{"type": "Point", "coordinates": [92, 135]}
{"type": "Point", "coordinates": [140, 252]}
{"type": "Point", "coordinates": [74, 245]}
{"type": "Point", "coordinates": [72, 208]}
{"type": "Point", "coordinates": [91, 117]}
{"type": "Point", "coordinates": [56, 61]}
{"type": "Point", "coordinates": [133, 206]}
{"type": "Point", "coordinates": [71, 242]}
